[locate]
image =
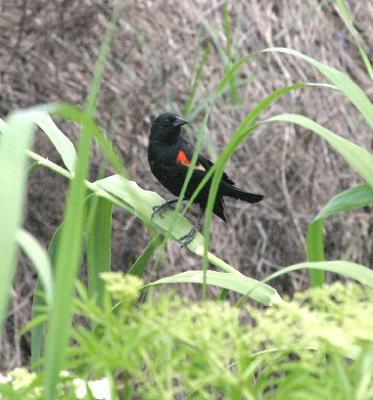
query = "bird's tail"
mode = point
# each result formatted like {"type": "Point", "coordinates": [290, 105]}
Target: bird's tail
{"type": "Point", "coordinates": [236, 193]}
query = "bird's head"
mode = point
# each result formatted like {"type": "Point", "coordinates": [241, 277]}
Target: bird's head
{"type": "Point", "coordinates": [166, 128]}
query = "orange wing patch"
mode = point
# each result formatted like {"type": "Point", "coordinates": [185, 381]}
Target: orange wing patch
{"type": "Point", "coordinates": [184, 160]}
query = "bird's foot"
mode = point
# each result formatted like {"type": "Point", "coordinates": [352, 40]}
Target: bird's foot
{"type": "Point", "coordinates": [186, 239]}
{"type": "Point", "coordinates": [162, 208]}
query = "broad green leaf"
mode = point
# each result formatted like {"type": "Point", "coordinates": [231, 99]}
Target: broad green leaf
{"type": "Point", "coordinates": [16, 137]}
{"type": "Point", "coordinates": [262, 293]}
{"type": "Point", "coordinates": [139, 267]}
{"type": "Point", "coordinates": [40, 260]}
{"type": "Point", "coordinates": [61, 142]}
{"type": "Point", "coordinates": [128, 195]}
{"type": "Point", "coordinates": [358, 272]}
{"type": "Point", "coordinates": [341, 80]}
{"type": "Point", "coordinates": [356, 197]}
{"type": "Point", "coordinates": [99, 244]}
{"type": "Point", "coordinates": [359, 158]}
{"type": "Point", "coordinates": [142, 202]}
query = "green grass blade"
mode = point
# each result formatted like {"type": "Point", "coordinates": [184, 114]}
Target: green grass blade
{"type": "Point", "coordinates": [229, 75]}
{"type": "Point", "coordinates": [341, 80]}
{"type": "Point", "coordinates": [353, 198]}
{"type": "Point", "coordinates": [39, 259]}
{"type": "Point", "coordinates": [70, 246]}
{"type": "Point", "coordinates": [99, 244]}
{"type": "Point", "coordinates": [16, 137]}
{"type": "Point", "coordinates": [315, 250]}
{"type": "Point", "coordinates": [358, 272]}
{"type": "Point", "coordinates": [251, 288]}
{"type": "Point", "coordinates": [66, 268]}
{"type": "Point", "coordinates": [61, 142]}
{"type": "Point", "coordinates": [359, 158]}
{"type": "Point", "coordinates": [215, 39]}
{"type": "Point", "coordinates": [350, 25]}
{"type": "Point", "coordinates": [32, 169]}
{"type": "Point", "coordinates": [139, 267]}
{"type": "Point", "coordinates": [196, 80]}
{"type": "Point", "coordinates": [38, 304]}
{"type": "Point", "coordinates": [350, 199]}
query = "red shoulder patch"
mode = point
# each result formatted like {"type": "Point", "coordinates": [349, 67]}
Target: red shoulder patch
{"type": "Point", "coordinates": [182, 158]}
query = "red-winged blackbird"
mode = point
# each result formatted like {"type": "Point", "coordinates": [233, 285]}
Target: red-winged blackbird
{"type": "Point", "coordinates": [170, 156]}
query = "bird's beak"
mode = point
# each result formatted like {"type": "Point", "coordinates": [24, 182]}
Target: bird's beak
{"type": "Point", "coordinates": [180, 122]}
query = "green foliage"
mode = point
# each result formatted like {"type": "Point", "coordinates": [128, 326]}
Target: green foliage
{"type": "Point", "coordinates": [317, 346]}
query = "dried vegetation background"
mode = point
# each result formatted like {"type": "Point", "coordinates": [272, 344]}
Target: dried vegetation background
{"type": "Point", "coordinates": [48, 51]}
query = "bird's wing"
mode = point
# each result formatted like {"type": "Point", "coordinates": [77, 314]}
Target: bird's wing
{"type": "Point", "coordinates": [204, 164]}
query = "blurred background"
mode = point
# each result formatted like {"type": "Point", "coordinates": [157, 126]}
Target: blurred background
{"type": "Point", "coordinates": [48, 51]}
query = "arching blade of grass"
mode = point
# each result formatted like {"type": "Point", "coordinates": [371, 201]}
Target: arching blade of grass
{"type": "Point", "coordinates": [353, 198]}
{"type": "Point", "coordinates": [99, 244]}
{"type": "Point", "coordinates": [359, 159]}
{"type": "Point", "coordinates": [39, 259]}
{"type": "Point", "coordinates": [139, 267]}
{"type": "Point", "coordinates": [350, 25]}
{"type": "Point", "coordinates": [341, 80]}
{"type": "Point", "coordinates": [15, 138]}
{"type": "Point", "coordinates": [263, 294]}
{"type": "Point", "coordinates": [246, 128]}
{"type": "Point", "coordinates": [358, 272]}
{"type": "Point", "coordinates": [350, 199]}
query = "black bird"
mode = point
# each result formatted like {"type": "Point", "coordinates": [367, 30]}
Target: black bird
{"type": "Point", "coordinates": [169, 157]}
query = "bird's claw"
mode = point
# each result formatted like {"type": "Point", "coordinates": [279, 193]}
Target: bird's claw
{"type": "Point", "coordinates": [161, 209]}
{"type": "Point", "coordinates": [188, 238]}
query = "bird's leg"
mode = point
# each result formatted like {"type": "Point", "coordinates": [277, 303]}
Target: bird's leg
{"type": "Point", "coordinates": [163, 207]}
{"type": "Point", "coordinates": [186, 239]}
